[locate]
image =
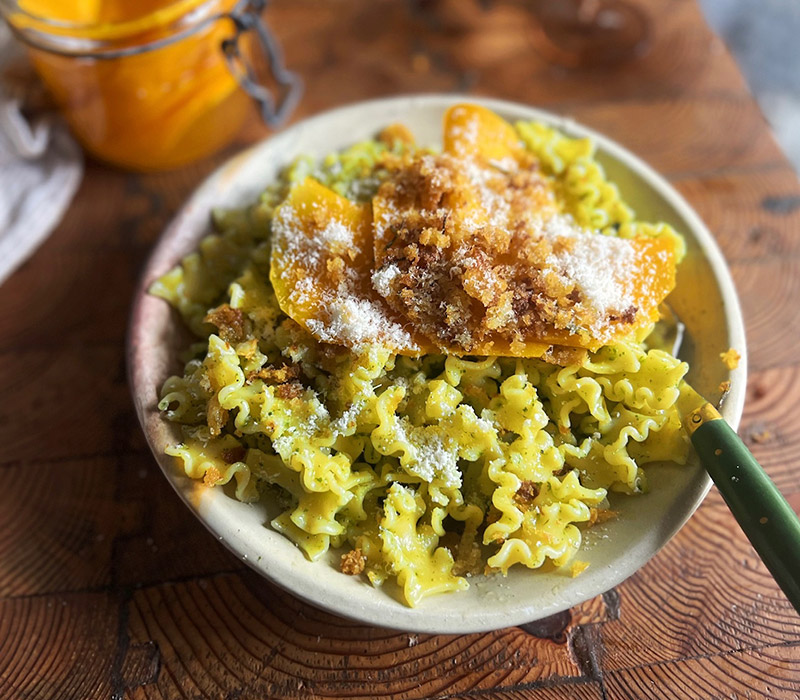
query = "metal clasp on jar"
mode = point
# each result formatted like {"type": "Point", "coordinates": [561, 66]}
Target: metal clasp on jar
{"type": "Point", "coordinates": [246, 17]}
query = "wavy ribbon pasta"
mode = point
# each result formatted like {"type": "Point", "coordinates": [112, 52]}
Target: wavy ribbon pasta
{"type": "Point", "coordinates": [432, 468]}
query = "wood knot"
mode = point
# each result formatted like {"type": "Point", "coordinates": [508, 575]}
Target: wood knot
{"type": "Point", "coordinates": [553, 628]}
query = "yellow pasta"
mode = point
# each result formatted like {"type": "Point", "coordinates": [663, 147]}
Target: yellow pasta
{"type": "Point", "coordinates": [435, 467]}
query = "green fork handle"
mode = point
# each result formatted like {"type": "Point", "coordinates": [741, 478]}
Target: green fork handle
{"type": "Point", "coordinates": [767, 519]}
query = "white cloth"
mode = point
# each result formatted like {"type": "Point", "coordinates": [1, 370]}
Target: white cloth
{"type": "Point", "coordinates": [40, 169]}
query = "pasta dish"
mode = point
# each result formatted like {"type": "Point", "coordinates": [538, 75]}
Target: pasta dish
{"type": "Point", "coordinates": [438, 360]}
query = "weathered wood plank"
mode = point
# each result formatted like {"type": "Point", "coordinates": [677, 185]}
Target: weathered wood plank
{"type": "Point", "coordinates": [450, 45]}
{"type": "Point", "coordinates": [57, 526]}
{"type": "Point", "coordinates": [58, 646]}
{"type": "Point", "coordinates": [165, 541]}
{"type": "Point", "coordinates": [583, 690]}
{"type": "Point", "coordinates": [752, 214]}
{"type": "Point", "coordinates": [87, 300]}
{"type": "Point", "coordinates": [768, 290]}
{"type": "Point", "coordinates": [166, 612]}
{"type": "Point", "coordinates": [770, 672]}
{"type": "Point", "coordinates": [65, 402]}
{"type": "Point", "coordinates": [679, 136]}
{"type": "Point", "coordinates": [705, 593]}
{"type": "Point", "coordinates": [683, 105]}
{"type": "Point", "coordinates": [769, 427]}
{"type": "Point", "coordinates": [235, 633]}
{"type": "Point", "coordinates": [115, 210]}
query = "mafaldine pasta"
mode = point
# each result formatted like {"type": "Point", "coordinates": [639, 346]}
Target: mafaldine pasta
{"type": "Point", "coordinates": [436, 361]}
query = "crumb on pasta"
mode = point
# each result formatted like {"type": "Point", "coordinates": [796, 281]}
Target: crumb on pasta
{"type": "Point", "coordinates": [730, 358]}
{"type": "Point", "coordinates": [353, 562]}
{"type": "Point", "coordinates": [578, 567]}
{"type": "Point", "coordinates": [230, 323]}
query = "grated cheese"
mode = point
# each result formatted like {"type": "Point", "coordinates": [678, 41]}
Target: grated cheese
{"type": "Point", "coordinates": [434, 456]}
{"type": "Point", "coordinates": [599, 266]}
{"type": "Point", "coordinates": [355, 322]}
{"type": "Point", "coordinates": [382, 279]}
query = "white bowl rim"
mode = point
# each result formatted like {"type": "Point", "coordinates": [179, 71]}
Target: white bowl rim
{"type": "Point", "coordinates": [411, 619]}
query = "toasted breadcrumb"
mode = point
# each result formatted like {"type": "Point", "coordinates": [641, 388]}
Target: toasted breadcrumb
{"type": "Point", "coordinates": [730, 358]}
{"type": "Point", "coordinates": [474, 252]}
{"type": "Point", "coordinates": [604, 515]}
{"type": "Point", "coordinates": [578, 568]}
{"type": "Point", "coordinates": [761, 436]}
{"type": "Point", "coordinates": [493, 515]}
{"type": "Point", "coordinates": [466, 552]}
{"type": "Point", "coordinates": [526, 494]}
{"type": "Point", "coordinates": [275, 375]}
{"type": "Point", "coordinates": [216, 416]}
{"type": "Point", "coordinates": [212, 476]}
{"type": "Point", "coordinates": [291, 390]}
{"type": "Point", "coordinates": [285, 378]}
{"type": "Point", "coordinates": [353, 562]}
{"type": "Point", "coordinates": [230, 323]}
{"type": "Point", "coordinates": [429, 249]}
{"type": "Point", "coordinates": [468, 560]}
{"type": "Point", "coordinates": [247, 349]}
{"type": "Point", "coordinates": [597, 516]}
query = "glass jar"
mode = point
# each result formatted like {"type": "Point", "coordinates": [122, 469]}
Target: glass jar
{"type": "Point", "coordinates": [152, 84]}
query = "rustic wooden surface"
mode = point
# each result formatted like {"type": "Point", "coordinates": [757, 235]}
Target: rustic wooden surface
{"type": "Point", "coordinates": [110, 588]}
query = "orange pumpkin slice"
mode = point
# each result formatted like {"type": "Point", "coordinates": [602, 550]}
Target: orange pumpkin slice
{"type": "Point", "coordinates": [649, 278]}
{"type": "Point", "coordinates": [321, 268]}
{"type": "Point", "coordinates": [618, 283]}
{"type": "Point", "coordinates": [471, 131]}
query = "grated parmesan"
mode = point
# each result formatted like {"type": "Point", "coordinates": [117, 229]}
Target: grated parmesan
{"type": "Point", "coordinates": [356, 322]}
{"type": "Point", "coordinates": [599, 266]}
{"type": "Point", "coordinates": [433, 456]}
{"type": "Point", "coordinates": [382, 279]}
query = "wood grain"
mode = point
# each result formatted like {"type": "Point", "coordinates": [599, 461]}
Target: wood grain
{"type": "Point", "coordinates": [153, 547]}
{"type": "Point", "coordinates": [57, 646]}
{"type": "Point", "coordinates": [65, 402]}
{"type": "Point", "coordinates": [717, 132]}
{"type": "Point", "coordinates": [247, 626]}
{"type": "Point", "coordinates": [769, 672]}
{"type": "Point", "coordinates": [452, 44]}
{"type": "Point", "coordinates": [110, 588]}
{"type": "Point", "coordinates": [753, 214]}
{"type": "Point", "coordinates": [773, 397]}
{"type": "Point", "coordinates": [706, 593]}
{"type": "Point", "coordinates": [43, 546]}
{"type": "Point", "coordinates": [768, 290]}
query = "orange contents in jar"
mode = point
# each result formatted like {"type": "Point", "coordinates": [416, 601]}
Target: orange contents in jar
{"type": "Point", "coordinates": [158, 106]}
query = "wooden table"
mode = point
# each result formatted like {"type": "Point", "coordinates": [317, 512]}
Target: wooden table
{"type": "Point", "coordinates": [109, 587]}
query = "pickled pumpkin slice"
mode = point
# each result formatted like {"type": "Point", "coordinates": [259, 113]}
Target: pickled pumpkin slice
{"type": "Point", "coordinates": [321, 267]}
{"type": "Point", "coordinates": [471, 131]}
{"type": "Point", "coordinates": [606, 288]}
{"type": "Point", "coordinates": [651, 277]}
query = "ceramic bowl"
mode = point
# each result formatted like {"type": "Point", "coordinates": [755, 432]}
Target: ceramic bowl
{"type": "Point", "coordinates": [704, 299]}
